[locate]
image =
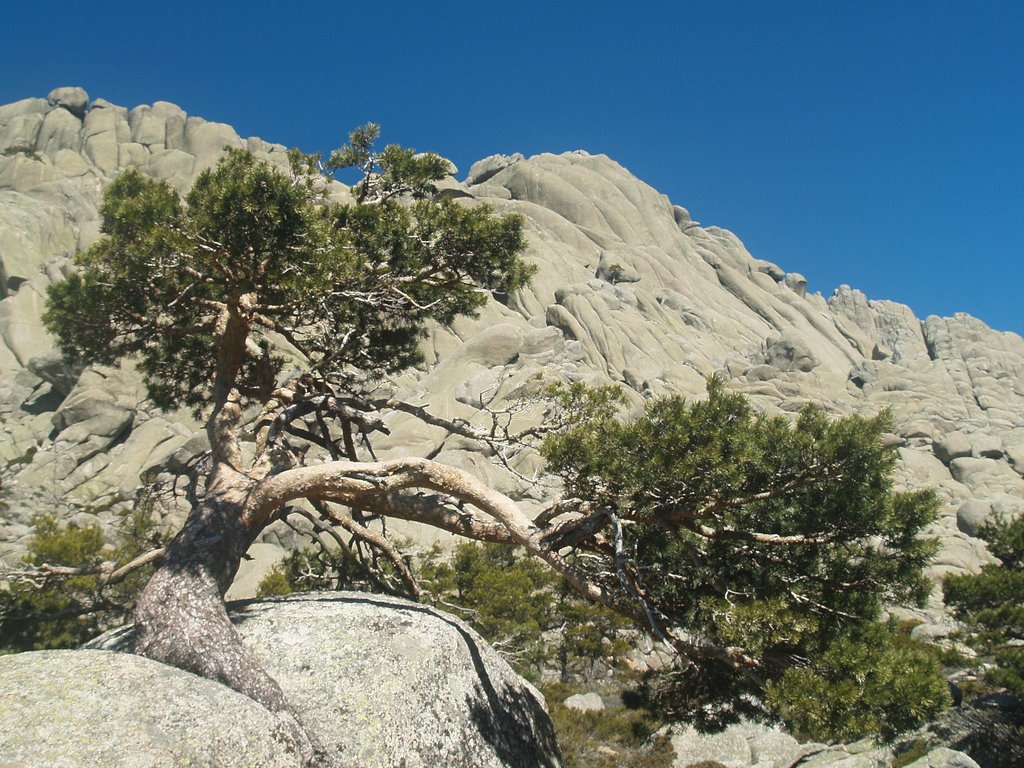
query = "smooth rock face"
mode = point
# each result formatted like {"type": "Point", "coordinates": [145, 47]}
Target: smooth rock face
{"type": "Point", "coordinates": [84, 709]}
{"type": "Point", "coordinates": [584, 702]}
{"type": "Point", "coordinates": [972, 515]}
{"type": "Point", "coordinates": [754, 745]}
{"type": "Point", "coordinates": [943, 757]}
{"type": "Point", "coordinates": [629, 290]}
{"type": "Point", "coordinates": [738, 746]}
{"type": "Point", "coordinates": [383, 682]}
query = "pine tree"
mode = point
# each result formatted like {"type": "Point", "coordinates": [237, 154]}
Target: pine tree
{"type": "Point", "coordinates": [762, 549]}
{"type": "Point", "coordinates": [991, 604]}
{"type": "Point", "coordinates": [743, 542]}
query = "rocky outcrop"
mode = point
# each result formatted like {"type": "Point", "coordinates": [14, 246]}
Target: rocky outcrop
{"type": "Point", "coordinates": [70, 441]}
{"type": "Point", "coordinates": [380, 682]}
{"type": "Point", "coordinates": [629, 289]}
{"type": "Point", "coordinates": [738, 746]}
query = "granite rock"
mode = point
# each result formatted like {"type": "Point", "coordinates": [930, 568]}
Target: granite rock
{"type": "Point", "coordinates": [73, 98]}
{"type": "Point", "coordinates": [81, 709]}
{"type": "Point", "coordinates": [585, 702]}
{"type": "Point", "coordinates": [629, 289]}
{"type": "Point", "coordinates": [344, 659]}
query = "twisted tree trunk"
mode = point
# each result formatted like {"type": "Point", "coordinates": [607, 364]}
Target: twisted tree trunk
{"type": "Point", "coordinates": [181, 618]}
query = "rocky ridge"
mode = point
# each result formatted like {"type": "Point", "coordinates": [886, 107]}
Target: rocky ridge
{"type": "Point", "coordinates": [629, 289]}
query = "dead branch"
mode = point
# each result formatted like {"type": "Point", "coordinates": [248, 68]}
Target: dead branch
{"type": "Point", "coordinates": [381, 543]}
{"type": "Point", "coordinates": [108, 571]}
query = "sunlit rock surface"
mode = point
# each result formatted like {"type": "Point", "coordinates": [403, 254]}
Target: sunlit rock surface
{"type": "Point", "coordinates": [82, 709]}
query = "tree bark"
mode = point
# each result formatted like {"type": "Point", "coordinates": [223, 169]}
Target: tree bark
{"type": "Point", "coordinates": [181, 618]}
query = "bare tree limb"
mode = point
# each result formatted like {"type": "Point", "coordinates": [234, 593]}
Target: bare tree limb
{"type": "Point", "coordinates": [108, 571]}
{"type": "Point", "coordinates": [380, 542]}
{"type": "Point", "coordinates": [363, 484]}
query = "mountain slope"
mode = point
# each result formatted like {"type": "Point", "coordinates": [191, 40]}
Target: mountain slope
{"type": "Point", "coordinates": [629, 289]}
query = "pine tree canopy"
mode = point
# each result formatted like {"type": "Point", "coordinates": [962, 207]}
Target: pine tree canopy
{"type": "Point", "coordinates": [757, 540]}
{"type": "Point", "coordinates": [345, 288]}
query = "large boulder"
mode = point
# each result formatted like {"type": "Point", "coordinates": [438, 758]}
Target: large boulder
{"type": "Point", "coordinates": [382, 682]}
{"type": "Point", "coordinates": [738, 746]}
{"type": "Point", "coordinates": [84, 709]}
{"type": "Point", "coordinates": [789, 354]}
{"type": "Point", "coordinates": [954, 445]}
{"type": "Point", "coordinates": [755, 745]}
{"type": "Point", "coordinates": [73, 98]}
{"type": "Point", "coordinates": [943, 757]}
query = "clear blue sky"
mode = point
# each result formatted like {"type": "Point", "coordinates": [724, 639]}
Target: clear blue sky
{"type": "Point", "coordinates": [879, 144]}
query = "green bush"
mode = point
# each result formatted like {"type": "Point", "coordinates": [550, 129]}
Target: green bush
{"type": "Point", "coordinates": [525, 610]}
{"type": "Point", "coordinates": [315, 570]}
{"type": "Point", "coordinates": [275, 583]}
{"type": "Point", "coordinates": [876, 682]}
{"type": "Point", "coordinates": [755, 540]}
{"type": "Point", "coordinates": [507, 598]}
{"type": "Point", "coordinates": [914, 751]}
{"type": "Point", "coordinates": [46, 611]}
{"type": "Point", "coordinates": [616, 737]}
{"type": "Point", "coordinates": [24, 149]}
{"type": "Point", "coordinates": [991, 605]}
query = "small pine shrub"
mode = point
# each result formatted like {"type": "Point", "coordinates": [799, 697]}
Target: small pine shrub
{"type": "Point", "coordinates": [25, 150]}
{"type": "Point", "coordinates": [914, 751]}
{"type": "Point", "coordinates": [616, 737]}
{"type": "Point", "coordinates": [274, 584]}
{"type": "Point", "coordinates": [991, 605]}
{"type": "Point", "coordinates": [876, 683]}
{"type": "Point", "coordinates": [64, 612]}
{"type": "Point", "coordinates": [315, 570]}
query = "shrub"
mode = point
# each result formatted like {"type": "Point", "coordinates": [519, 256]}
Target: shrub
{"type": "Point", "coordinates": [40, 610]}
{"type": "Point", "coordinates": [876, 682]}
{"type": "Point", "coordinates": [312, 570]}
{"type": "Point", "coordinates": [616, 737]}
{"type": "Point", "coordinates": [991, 605]}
